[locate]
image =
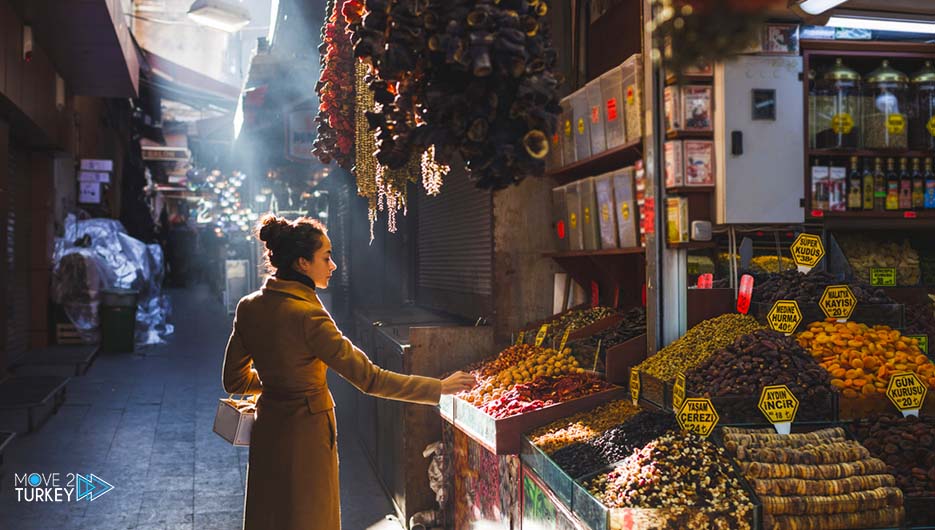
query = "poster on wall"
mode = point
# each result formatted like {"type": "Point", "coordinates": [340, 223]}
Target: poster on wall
{"type": "Point", "coordinates": [89, 192]}
{"type": "Point", "coordinates": [300, 133]}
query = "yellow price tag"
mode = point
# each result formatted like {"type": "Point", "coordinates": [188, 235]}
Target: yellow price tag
{"type": "Point", "coordinates": [565, 335]}
{"type": "Point", "coordinates": [895, 123]}
{"type": "Point", "coordinates": [842, 123]}
{"type": "Point", "coordinates": [779, 406]}
{"type": "Point", "coordinates": [697, 415]}
{"type": "Point", "coordinates": [784, 316]}
{"type": "Point", "coordinates": [907, 392]}
{"type": "Point", "coordinates": [807, 250]}
{"type": "Point", "coordinates": [634, 385]}
{"type": "Point", "coordinates": [521, 338]}
{"type": "Point", "coordinates": [541, 335]}
{"type": "Point", "coordinates": [678, 391]}
{"type": "Point", "coordinates": [838, 301]}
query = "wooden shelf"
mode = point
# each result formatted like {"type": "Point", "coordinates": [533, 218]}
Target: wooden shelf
{"type": "Point", "coordinates": [858, 220]}
{"type": "Point", "coordinates": [690, 135]}
{"type": "Point", "coordinates": [595, 253]}
{"type": "Point", "coordinates": [616, 158]}
{"type": "Point", "coordinates": [690, 189]}
{"type": "Point", "coordinates": [690, 79]}
{"type": "Point", "coordinates": [870, 153]}
{"type": "Point", "coordinates": [869, 48]}
{"type": "Point", "coordinates": [693, 245]}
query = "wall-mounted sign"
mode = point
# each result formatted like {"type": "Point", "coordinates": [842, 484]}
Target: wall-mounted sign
{"type": "Point", "coordinates": [94, 176]}
{"type": "Point", "coordinates": [300, 134]}
{"type": "Point", "coordinates": [166, 154]}
{"type": "Point", "coordinates": [89, 192]}
{"type": "Point", "coordinates": [92, 164]}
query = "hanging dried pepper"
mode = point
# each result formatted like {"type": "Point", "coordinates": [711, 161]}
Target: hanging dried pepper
{"type": "Point", "coordinates": [335, 140]}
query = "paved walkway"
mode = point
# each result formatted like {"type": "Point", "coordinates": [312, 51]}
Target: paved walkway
{"type": "Point", "coordinates": [143, 422]}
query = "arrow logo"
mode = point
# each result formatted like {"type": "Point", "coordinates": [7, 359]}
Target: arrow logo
{"type": "Point", "coordinates": [91, 486]}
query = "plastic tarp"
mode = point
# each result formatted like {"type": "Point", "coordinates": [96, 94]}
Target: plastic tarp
{"type": "Point", "coordinates": [97, 254]}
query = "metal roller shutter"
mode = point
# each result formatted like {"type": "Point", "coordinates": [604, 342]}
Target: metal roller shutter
{"type": "Point", "coordinates": [455, 248]}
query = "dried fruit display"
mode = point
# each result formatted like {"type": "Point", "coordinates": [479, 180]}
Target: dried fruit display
{"type": "Point", "coordinates": [544, 392]}
{"type": "Point", "coordinates": [864, 253]}
{"type": "Point", "coordinates": [576, 319]}
{"type": "Point", "coordinates": [920, 319]}
{"type": "Point", "coordinates": [632, 325]}
{"type": "Point", "coordinates": [906, 445]}
{"type": "Point", "coordinates": [861, 359]}
{"type": "Point", "coordinates": [613, 445]}
{"type": "Point", "coordinates": [697, 345]}
{"type": "Point", "coordinates": [582, 426]}
{"type": "Point", "coordinates": [683, 474]}
{"type": "Point", "coordinates": [808, 288]}
{"type": "Point", "coordinates": [516, 365]}
{"type": "Point", "coordinates": [759, 359]}
{"type": "Point", "coordinates": [819, 480]}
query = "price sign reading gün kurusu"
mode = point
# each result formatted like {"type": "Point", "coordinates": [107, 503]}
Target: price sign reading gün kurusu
{"type": "Point", "coordinates": [697, 415]}
{"type": "Point", "coordinates": [784, 317]}
{"type": "Point", "coordinates": [838, 301]}
{"type": "Point", "coordinates": [779, 406]}
{"type": "Point", "coordinates": [807, 250]}
{"type": "Point", "coordinates": [907, 392]}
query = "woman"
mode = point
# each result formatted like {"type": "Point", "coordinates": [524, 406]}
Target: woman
{"type": "Point", "coordinates": [281, 347]}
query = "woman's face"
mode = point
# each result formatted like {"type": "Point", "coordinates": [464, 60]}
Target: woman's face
{"type": "Point", "coordinates": [320, 267]}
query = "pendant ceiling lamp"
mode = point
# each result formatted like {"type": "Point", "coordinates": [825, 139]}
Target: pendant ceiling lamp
{"type": "Point", "coordinates": [219, 14]}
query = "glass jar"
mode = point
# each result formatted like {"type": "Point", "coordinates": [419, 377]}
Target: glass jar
{"type": "Point", "coordinates": [885, 112]}
{"type": "Point", "coordinates": [922, 117]}
{"type": "Point", "coordinates": [835, 108]}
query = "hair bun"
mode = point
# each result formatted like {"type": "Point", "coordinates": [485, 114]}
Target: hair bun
{"type": "Point", "coordinates": [272, 229]}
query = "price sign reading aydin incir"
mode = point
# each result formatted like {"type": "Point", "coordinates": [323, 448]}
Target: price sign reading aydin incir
{"type": "Point", "coordinates": [907, 392]}
{"type": "Point", "coordinates": [779, 406]}
{"type": "Point", "coordinates": [807, 251]}
{"type": "Point", "coordinates": [697, 415]}
{"type": "Point", "coordinates": [784, 316]}
{"type": "Point", "coordinates": [838, 301]}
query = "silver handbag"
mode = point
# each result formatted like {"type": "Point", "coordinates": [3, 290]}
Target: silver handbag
{"type": "Point", "coordinates": [234, 419]}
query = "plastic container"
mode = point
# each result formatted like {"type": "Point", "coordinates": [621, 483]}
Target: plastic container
{"type": "Point", "coordinates": [590, 226]}
{"type": "Point", "coordinates": [885, 109]}
{"type": "Point", "coordinates": [596, 117]}
{"type": "Point", "coordinates": [632, 71]}
{"type": "Point", "coordinates": [606, 216]}
{"type": "Point", "coordinates": [614, 120]}
{"type": "Point", "coordinates": [559, 219]}
{"type": "Point", "coordinates": [118, 320]}
{"type": "Point", "coordinates": [922, 116]}
{"type": "Point", "coordinates": [626, 208]}
{"type": "Point", "coordinates": [835, 108]}
{"type": "Point", "coordinates": [581, 123]}
{"type": "Point", "coordinates": [566, 129]}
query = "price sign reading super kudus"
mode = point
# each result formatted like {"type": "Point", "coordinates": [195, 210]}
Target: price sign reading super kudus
{"type": "Point", "coordinates": [784, 316]}
{"type": "Point", "coordinates": [838, 301]}
{"type": "Point", "coordinates": [697, 415]}
{"type": "Point", "coordinates": [807, 250]}
{"type": "Point", "coordinates": [907, 392]}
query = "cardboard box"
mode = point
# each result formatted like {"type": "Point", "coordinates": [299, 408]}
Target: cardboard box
{"type": "Point", "coordinates": [674, 164]}
{"type": "Point", "coordinates": [614, 121]}
{"type": "Point", "coordinates": [695, 108]}
{"type": "Point", "coordinates": [699, 162]}
{"type": "Point", "coordinates": [581, 114]}
{"type": "Point", "coordinates": [671, 99]}
{"type": "Point", "coordinates": [590, 227]}
{"type": "Point", "coordinates": [626, 209]}
{"type": "Point", "coordinates": [633, 96]}
{"type": "Point", "coordinates": [559, 219]}
{"type": "Point", "coordinates": [607, 217]}
{"type": "Point", "coordinates": [573, 206]}
{"type": "Point", "coordinates": [596, 106]}
{"type": "Point", "coordinates": [677, 225]}
{"type": "Point", "coordinates": [566, 129]}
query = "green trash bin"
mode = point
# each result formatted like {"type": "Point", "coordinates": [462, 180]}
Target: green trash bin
{"type": "Point", "coordinates": [118, 320]}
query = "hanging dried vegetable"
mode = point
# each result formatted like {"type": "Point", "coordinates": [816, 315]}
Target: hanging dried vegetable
{"type": "Point", "coordinates": [335, 88]}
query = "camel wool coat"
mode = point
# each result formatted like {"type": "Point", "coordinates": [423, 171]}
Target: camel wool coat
{"type": "Point", "coordinates": [281, 347]}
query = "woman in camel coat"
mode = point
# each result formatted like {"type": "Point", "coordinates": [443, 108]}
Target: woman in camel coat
{"type": "Point", "coordinates": [281, 347]}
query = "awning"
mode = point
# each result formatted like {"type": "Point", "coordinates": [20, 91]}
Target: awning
{"type": "Point", "coordinates": [177, 83]}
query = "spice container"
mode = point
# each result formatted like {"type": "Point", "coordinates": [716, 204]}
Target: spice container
{"type": "Point", "coordinates": [596, 116]}
{"type": "Point", "coordinates": [922, 120]}
{"type": "Point", "coordinates": [885, 108]}
{"type": "Point", "coordinates": [612, 94]}
{"type": "Point", "coordinates": [633, 96]}
{"type": "Point", "coordinates": [835, 107]}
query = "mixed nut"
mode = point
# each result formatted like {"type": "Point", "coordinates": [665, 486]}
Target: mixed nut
{"type": "Point", "coordinates": [632, 325]}
{"type": "Point", "coordinates": [907, 446]}
{"type": "Point", "coordinates": [861, 359]}
{"type": "Point", "coordinates": [543, 392]}
{"type": "Point", "coordinates": [575, 319]}
{"type": "Point", "coordinates": [690, 479]}
{"type": "Point", "coordinates": [697, 345]}
{"type": "Point", "coordinates": [582, 426]}
{"type": "Point", "coordinates": [516, 365]}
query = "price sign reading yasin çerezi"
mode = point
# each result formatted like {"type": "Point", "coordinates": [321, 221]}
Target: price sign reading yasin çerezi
{"type": "Point", "coordinates": [838, 301]}
{"type": "Point", "coordinates": [634, 385]}
{"type": "Point", "coordinates": [541, 335]}
{"type": "Point", "coordinates": [779, 406]}
{"type": "Point", "coordinates": [678, 391]}
{"type": "Point", "coordinates": [907, 392]}
{"type": "Point", "coordinates": [697, 415]}
{"type": "Point", "coordinates": [784, 316]}
{"type": "Point", "coordinates": [807, 250]}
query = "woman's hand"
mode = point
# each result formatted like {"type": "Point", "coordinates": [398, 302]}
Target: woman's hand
{"type": "Point", "coordinates": [458, 382]}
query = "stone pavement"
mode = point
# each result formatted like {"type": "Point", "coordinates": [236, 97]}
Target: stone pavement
{"type": "Point", "coordinates": [143, 422]}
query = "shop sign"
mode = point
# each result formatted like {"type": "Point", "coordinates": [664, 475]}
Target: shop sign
{"type": "Point", "coordinates": [907, 392]}
{"type": "Point", "coordinates": [807, 251]}
{"type": "Point", "coordinates": [565, 335]}
{"type": "Point", "coordinates": [521, 338]}
{"type": "Point", "coordinates": [842, 123]}
{"type": "Point", "coordinates": [697, 415]}
{"type": "Point", "coordinates": [923, 342]}
{"type": "Point", "coordinates": [300, 134]}
{"type": "Point", "coordinates": [678, 391]}
{"type": "Point", "coordinates": [784, 316]}
{"type": "Point", "coordinates": [838, 301]}
{"type": "Point", "coordinates": [779, 406]}
{"type": "Point", "coordinates": [541, 335]}
{"type": "Point", "coordinates": [883, 276]}
{"type": "Point", "coordinates": [94, 176]}
{"type": "Point", "coordinates": [895, 123]}
{"type": "Point", "coordinates": [89, 192]}
{"type": "Point", "coordinates": [634, 385]}
{"type": "Point", "coordinates": [166, 154]}
{"type": "Point", "coordinates": [92, 164]}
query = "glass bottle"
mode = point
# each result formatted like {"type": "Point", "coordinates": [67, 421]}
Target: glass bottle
{"type": "Point", "coordinates": [905, 185]}
{"type": "Point", "coordinates": [929, 185]}
{"type": "Point", "coordinates": [835, 105]}
{"type": "Point", "coordinates": [821, 185]}
{"type": "Point", "coordinates": [854, 185]}
{"type": "Point", "coordinates": [879, 187]}
{"type": "Point", "coordinates": [885, 117]}
{"type": "Point", "coordinates": [918, 185]}
{"type": "Point", "coordinates": [868, 184]}
{"type": "Point", "coordinates": [891, 196]}
{"type": "Point", "coordinates": [922, 117]}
